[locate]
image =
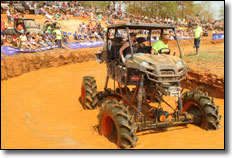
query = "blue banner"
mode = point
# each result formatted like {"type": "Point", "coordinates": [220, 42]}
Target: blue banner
{"type": "Point", "coordinates": [90, 44]}
{"type": "Point", "coordinates": [218, 36]}
{"type": "Point", "coordinates": [8, 50]}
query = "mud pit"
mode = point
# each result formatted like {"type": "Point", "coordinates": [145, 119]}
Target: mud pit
{"type": "Point", "coordinates": [41, 110]}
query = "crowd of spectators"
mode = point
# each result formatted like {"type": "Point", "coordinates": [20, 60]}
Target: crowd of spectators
{"type": "Point", "coordinates": [93, 29]}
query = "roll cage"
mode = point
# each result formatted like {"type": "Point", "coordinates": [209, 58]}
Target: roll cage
{"type": "Point", "coordinates": [135, 26]}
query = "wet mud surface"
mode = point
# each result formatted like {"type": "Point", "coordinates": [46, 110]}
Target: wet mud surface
{"type": "Point", "coordinates": [41, 109]}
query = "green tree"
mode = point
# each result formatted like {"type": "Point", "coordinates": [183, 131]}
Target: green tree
{"type": "Point", "coordinates": [207, 10]}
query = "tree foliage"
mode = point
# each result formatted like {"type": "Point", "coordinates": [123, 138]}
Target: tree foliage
{"type": "Point", "coordinates": [162, 9]}
{"type": "Point", "coordinates": [170, 9]}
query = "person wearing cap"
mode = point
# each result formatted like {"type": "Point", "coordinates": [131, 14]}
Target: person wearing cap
{"type": "Point", "coordinates": [160, 44]}
{"type": "Point", "coordinates": [197, 35]}
{"type": "Point", "coordinates": [125, 49]}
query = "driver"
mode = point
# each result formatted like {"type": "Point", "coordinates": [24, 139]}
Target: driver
{"type": "Point", "coordinates": [126, 47]}
{"type": "Point", "coordinates": [160, 44]}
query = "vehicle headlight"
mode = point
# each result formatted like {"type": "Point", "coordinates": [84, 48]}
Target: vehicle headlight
{"type": "Point", "coordinates": [179, 63]}
{"type": "Point", "coordinates": [144, 64]}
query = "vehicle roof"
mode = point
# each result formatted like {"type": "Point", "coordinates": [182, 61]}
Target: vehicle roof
{"type": "Point", "coordinates": [141, 26]}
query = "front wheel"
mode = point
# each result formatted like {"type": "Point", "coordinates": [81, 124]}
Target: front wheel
{"type": "Point", "coordinates": [206, 114]}
{"type": "Point", "coordinates": [9, 38]}
{"type": "Point", "coordinates": [117, 124]}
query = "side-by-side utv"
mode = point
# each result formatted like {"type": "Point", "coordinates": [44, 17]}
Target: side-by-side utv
{"type": "Point", "coordinates": [136, 101]}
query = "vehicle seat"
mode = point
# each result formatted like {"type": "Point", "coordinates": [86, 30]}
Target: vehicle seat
{"type": "Point", "coordinates": [146, 49]}
{"type": "Point", "coordinates": [114, 52]}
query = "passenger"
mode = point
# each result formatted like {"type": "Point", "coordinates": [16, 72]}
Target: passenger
{"type": "Point", "coordinates": [160, 44]}
{"type": "Point", "coordinates": [141, 42]}
{"type": "Point", "coordinates": [141, 46]}
{"type": "Point", "coordinates": [126, 47]}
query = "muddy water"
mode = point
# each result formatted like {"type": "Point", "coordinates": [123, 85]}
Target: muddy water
{"type": "Point", "coordinates": [41, 110]}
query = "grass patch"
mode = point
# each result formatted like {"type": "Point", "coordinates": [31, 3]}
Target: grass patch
{"type": "Point", "coordinates": [204, 56]}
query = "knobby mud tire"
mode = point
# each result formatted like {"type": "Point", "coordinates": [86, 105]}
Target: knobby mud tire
{"type": "Point", "coordinates": [89, 97]}
{"type": "Point", "coordinates": [206, 114]}
{"type": "Point", "coordinates": [115, 119]}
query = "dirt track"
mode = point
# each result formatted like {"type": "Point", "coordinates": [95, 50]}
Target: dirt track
{"type": "Point", "coordinates": [41, 110]}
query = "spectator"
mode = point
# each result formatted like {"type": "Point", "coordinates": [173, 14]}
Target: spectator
{"type": "Point", "coordinates": [197, 35]}
{"type": "Point", "coordinates": [32, 40]}
{"type": "Point", "coordinates": [58, 37]}
{"type": "Point", "coordinates": [24, 41]}
{"type": "Point", "coordinates": [57, 17]}
{"type": "Point", "coordinates": [49, 29]}
{"type": "Point", "coordinates": [9, 17]}
{"type": "Point", "coordinates": [2, 27]}
{"type": "Point", "coordinates": [35, 8]}
{"type": "Point", "coordinates": [75, 35]}
{"type": "Point", "coordinates": [42, 42]}
{"type": "Point", "coordinates": [65, 37]}
{"type": "Point", "coordinates": [80, 28]}
{"type": "Point", "coordinates": [99, 17]}
{"type": "Point", "coordinates": [12, 8]}
{"type": "Point", "coordinates": [49, 17]}
{"type": "Point", "coordinates": [83, 27]}
{"type": "Point", "coordinates": [91, 16]}
{"type": "Point", "coordinates": [20, 28]}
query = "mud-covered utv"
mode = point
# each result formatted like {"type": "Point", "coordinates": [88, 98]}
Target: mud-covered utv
{"type": "Point", "coordinates": [136, 101]}
{"type": "Point", "coordinates": [29, 25]}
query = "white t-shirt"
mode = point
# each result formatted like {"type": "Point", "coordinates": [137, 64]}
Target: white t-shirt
{"type": "Point", "coordinates": [48, 16]}
{"type": "Point", "coordinates": [91, 16]}
{"type": "Point", "coordinates": [95, 33]}
{"type": "Point", "coordinates": [8, 13]}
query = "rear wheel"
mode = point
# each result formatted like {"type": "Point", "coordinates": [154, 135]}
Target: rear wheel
{"type": "Point", "coordinates": [206, 114]}
{"type": "Point", "coordinates": [89, 93]}
{"type": "Point", "coordinates": [9, 38]}
{"type": "Point", "coordinates": [117, 124]}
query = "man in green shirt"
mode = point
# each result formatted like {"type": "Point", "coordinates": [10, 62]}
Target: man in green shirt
{"type": "Point", "coordinates": [58, 36]}
{"type": "Point", "coordinates": [49, 29]}
{"type": "Point", "coordinates": [197, 35]}
{"type": "Point", "coordinates": [160, 44]}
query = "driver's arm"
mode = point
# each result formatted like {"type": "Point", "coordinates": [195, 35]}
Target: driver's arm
{"type": "Point", "coordinates": [154, 48]}
{"type": "Point", "coordinates": [124, 46]}
{"type": "Point", "coordinates": [153, 51]}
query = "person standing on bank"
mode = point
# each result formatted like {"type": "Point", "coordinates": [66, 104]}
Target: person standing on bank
{"type": "Point", "coordinates": [197, 35]}
{"type": "Point", "coordinates": [58, 37]}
